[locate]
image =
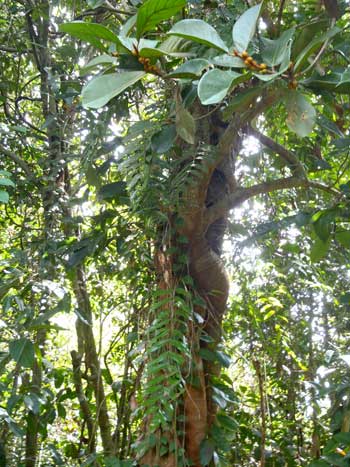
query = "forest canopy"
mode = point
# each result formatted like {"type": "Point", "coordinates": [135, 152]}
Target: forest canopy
{"type": "Point", "coordinates": [174, 213]}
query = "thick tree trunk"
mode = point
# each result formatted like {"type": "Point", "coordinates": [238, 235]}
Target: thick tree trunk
{"type": "Point", "coordinates": [212, 285]}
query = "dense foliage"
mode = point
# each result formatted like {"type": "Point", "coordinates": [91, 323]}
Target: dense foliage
{"type": "Point", "coordinates": [154, 154]}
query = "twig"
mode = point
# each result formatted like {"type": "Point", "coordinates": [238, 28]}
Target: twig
{"type": "Point", "coordinates": [19, 161]}
{"type": "Point", "coordinates": [287, 155]}
{"type": "Point", "coordinates": [232, 200]}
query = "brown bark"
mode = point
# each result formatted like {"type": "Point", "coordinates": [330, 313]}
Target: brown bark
{"type": "Point", "coordinates": [83, 402]}
{"type": "Point", "coordinates": [257, 366]}
{"type": "Point", "coordinates": [33, 420]}
{"type": "Point", "coordinates": [87, 348]}
{"type": "Point", "coordinates": [39, 42]}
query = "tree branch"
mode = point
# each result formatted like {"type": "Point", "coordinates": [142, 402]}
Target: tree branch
{"type": "Point", "coordinates": [19, 161]}
{"type": "Point", "coordinates": [292, 161]}
{"type": "Point", "coordinates": [228, 139]}
{"type": "Point", "coordinates": [279, 16]}
{"type": "Point", "coordinates": [236, 198]}
{"type": "Point", "coordinates": [14, 50]}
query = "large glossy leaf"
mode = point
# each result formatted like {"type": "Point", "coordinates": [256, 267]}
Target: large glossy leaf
{"type": "Point", "coordinates": [199, 31]}
{"type": "Point", "coordinates": [227, 422]}
{"type": "Point", "coordinates": [6, 182]}
{"type": "Point", "coordinates": [244, 28]}
{"type": "Point", "coordinates": [191, 69]}
{"type": "Point", "coordinates": [215, 85]}
{"type": "Point", "coordinates": [275, 51]}
{"type": "Point", "coordinates": [152, 12]}
{"type": "Point", "coordinates": [313, 46]}
{"type": "Point", "coordinates": [103, 59]}
{"type": "Point", "coordinates": [93, 33]}
{"type": "Point", "coordinates": [306, 33]}
{"type": "Point", "coordinates": [185, 125]}
{"type": "Point", "coordinates": [301, 114]}
{"type": "Point", "coordinates": [103, 88]}
{"type": "Point", "coordinates": [163, 141]}
{"type": "Point", "coordinates": [228, 61]}
{"type": "Point", "coordinates": [22, 352]}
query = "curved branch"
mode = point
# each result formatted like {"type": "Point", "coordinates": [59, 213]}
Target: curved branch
{"type": "Point", "coordinates": [236, 198]}
{"type": "Point", "coordinates": [19, 161]}
{"type": "Point", "coordinates": [292, 161]}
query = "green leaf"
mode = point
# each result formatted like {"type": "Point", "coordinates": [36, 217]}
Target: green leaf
{"type": "Point", "coordinates": [175, 47]}
{"type": "Point", "coordinates": [127, 27]}
{"type": "Point", "coordinates": [226, 60]}
{"type": "Point", "coordinates": [132, 43]}
{"type": "Point", "coordinates": [199, 31]}
{"type": "Point", "coordinates": [102, 89]}
{"type": "Point", "coordinates": [161, 142]}
{"type": "Point", "coordinates": [112, 462]}
{"type": "Point", "coordinates": [4, 197]}
{"type": "Point", "coordinates": [242, 101]}
{"type": "Point", "coordinates": [330, 82]}
{"type": "Point", "coordinates": [345, 298]}
{"type": "Point", "coordinates": [301, 114]}
{"type": "Point", "coordinates": [275, 51]}
{"type": "Point", "coordinates": [283, 67]}
{"type": "Point", "coordinates": [306, 33]}
{"type": "Point", "coordinates": [93, 33]}
{"type": "Point", "coordinates": [206, 451]}
{"type": "Point", "coordinates": [104, 59]}
{"type": "Point", "coordinates": [313, 46]}
{"type": "Point", "coordinates": [227, 422]}
{"type": "Point", "coordinates": [6, 182]}
{"type": "Point", "coordinates": [152, 12]}
{"type": "Point", "coordinates": [208, 354]}
{"type": "Point", "coordinates": [343, 438]}
{"type": "Point", "coordinates": [329, 125]}
{"type": "Point", "coordinates": [344, 78]}
{"type": "Point", "coordinates": [337, 460]}
{"type": "Point", "coordinates": [22, 352]}
{"type": "Point", "coordinates": [322, 222]}
{"type": "Point", "coordinates": [185, 125]}
{"type": "Point", "coordinates": [318, 463]}
{"type": "Point", "coordinates": [215, 85]}
{"type": "Point", "coordinates": [32, 402]}
{"type": "Point", "coordinates": [114, 190]}
{"type": "Point", "coordinates": [343, 238]}
{"type": "Point", "coordinates": [319, 250]}
{"type": "Point", "coordinates": [223, 358]}
{"type": "Point", "coordinates": [244, 28]}
{"type": "Point", "coordinates": [190, 69]}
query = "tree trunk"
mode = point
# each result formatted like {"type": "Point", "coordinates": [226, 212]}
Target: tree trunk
{"type": "Point", "coordinates": [87, 348]}
{"type": "Point", "coordinates": [211, 284]}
